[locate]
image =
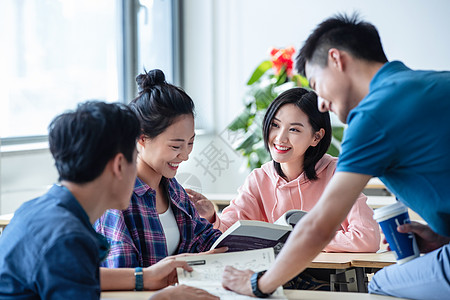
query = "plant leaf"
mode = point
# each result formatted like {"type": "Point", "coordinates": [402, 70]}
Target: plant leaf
{"type": "Point", "coordinates": [333, 151]}
{"type": "Point", "coordinates": [300, 80]}
{"type": "Point", "coordinates": [263, 98]}
{"type": "Point", "coordinates": [262, 153]}
{"type": "Point", "coordinates": [338, 132]}
{"type": "Point", "coordinates": [260, 70]}
{"type": "Point", "coordinates": [247, 144]}
{"type": "Point", "coordinates": [282, 76]}
{"type": "Point", "coordinates": [241, 122]}
{"type": "Point", "coordinates": [254, 161]}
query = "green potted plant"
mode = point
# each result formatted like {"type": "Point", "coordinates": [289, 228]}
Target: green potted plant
{"type": "Point", "coordinates": [269, 79]}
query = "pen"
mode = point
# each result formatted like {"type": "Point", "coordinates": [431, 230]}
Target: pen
{"type": "Point", "coordinates": [196, 262]}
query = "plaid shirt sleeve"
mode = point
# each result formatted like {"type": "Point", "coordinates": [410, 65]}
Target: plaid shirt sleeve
{"type": "Point", "coordinates": [198, 234]}
{"type": "Point", "coordinates": [122, 253]}
{"type": "Point", "coordinates": [204, 233]}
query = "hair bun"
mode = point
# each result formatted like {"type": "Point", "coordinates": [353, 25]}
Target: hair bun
{"type": "Point", "coordinates": [150, 79]}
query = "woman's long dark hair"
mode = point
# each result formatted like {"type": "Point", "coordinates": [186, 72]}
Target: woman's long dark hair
{"type": "Point", "coordinates": [306, 101]}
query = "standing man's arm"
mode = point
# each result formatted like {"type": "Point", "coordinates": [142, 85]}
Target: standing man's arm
{"type": "Point", "coordinates": [312, 234]}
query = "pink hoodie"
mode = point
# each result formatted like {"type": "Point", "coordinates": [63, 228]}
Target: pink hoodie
{"type": "Point", "coordinates": [265, 196]}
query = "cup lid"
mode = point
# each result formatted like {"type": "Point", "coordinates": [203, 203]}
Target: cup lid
{"type": "Point", "coordinates": [389, 210]}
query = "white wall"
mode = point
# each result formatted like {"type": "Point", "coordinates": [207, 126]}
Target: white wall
{"type": "Point", "coordinates": [224, 40]}
{"type": "Point", "coordinates": [24, 175]}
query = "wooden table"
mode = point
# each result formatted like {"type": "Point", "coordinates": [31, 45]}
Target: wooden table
{"type": "Point", "coordinates": [373, 260]}
{"type": "Point", "coordinates": [126, 295]}
{"type": "Point", "coordinates": [347, 260]}
{"type": "Point", "coordinates": [220, 200]}
{"type": "Point", "coordinates": [375, 202]}
{"type": "Point", "coordinates": [290, 294]}
{"type": "Point", "coordinates": [4, 220]}
{"type": "Point", "coordinates": [375, 183]}
{"type": "Point", "coordinates": [351, 269]}
{"type": "Point", "coordinates": [331, 261]}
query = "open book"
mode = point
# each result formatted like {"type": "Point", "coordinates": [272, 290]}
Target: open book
{"type": "Point", "coordinates": [251, 234]}
{"type": "Point", "coordinates": [208, 270]}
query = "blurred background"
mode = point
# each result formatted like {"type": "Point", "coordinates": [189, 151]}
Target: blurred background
{"type": "Point", "coordinates": [57, 53]}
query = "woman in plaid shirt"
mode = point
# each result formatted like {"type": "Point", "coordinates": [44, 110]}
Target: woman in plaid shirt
{"type": "Point", "coordinates": [161, 220]}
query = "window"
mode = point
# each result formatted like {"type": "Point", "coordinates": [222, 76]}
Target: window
{"type": "Point", "coordinates": [157, 31]}
{"type": "Point", "coordinates": [56, 53]}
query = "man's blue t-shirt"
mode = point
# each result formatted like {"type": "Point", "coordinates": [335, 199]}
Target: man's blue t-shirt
{"type": "Point", "coordinates": [51, 251]}
{"type": "Point", "coordinates": [400, 132]}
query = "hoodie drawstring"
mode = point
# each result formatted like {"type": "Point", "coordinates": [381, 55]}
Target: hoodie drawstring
{"type": "Point", "coordinates": [301, 196]}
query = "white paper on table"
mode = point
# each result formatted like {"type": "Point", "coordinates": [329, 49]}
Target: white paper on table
{"type": "Point", "coordinates": [208, 270]}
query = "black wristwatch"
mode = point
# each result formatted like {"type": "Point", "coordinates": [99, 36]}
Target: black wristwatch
{"type": "Point", "coordinates": [255, 289]}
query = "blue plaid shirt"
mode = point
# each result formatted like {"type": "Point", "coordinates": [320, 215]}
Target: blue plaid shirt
{"type": "Point", "coordinates": [136, 235]}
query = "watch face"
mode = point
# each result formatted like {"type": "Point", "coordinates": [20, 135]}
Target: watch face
{"type": "Point", "coordinates": [255, 289]}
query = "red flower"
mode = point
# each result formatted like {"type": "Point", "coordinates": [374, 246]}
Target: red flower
{"type": "Point", "coordinates": [282, 58]}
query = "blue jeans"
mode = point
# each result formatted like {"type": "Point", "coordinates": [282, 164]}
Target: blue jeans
{"type": "Point", "coordinates": [426, 277]}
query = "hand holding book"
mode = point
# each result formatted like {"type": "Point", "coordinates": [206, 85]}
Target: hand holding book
{"type": "Point", "coordinates": [252, 234]}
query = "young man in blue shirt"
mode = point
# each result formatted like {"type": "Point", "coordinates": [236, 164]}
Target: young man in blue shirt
{"type": "Point", "coordinates": [397, 131]}
{"type": "Point", "coordinates": [50, 249]}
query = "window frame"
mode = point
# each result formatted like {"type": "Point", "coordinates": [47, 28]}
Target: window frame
{"type": "Point", "coordinates": [127, 51]}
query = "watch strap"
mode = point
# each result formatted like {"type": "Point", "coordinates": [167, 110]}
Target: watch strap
{"type": "Point", "coordinates": [255, 289]}
{"type": "Point", "coordinates": [139, 275]}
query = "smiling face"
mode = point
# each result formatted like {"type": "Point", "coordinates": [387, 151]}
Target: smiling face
{"type": "Point", "coordinates": [162, 155]}
{"type": "Point", "coordinates": [333, 87]}
{"type": "Point", "coordinates": [290, 135]}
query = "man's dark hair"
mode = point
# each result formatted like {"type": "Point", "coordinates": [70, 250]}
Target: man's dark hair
{"type": "Point", "coordinates": [342, 32]}
{"type": "Point", "coordinates": [159, 103]}
{"type": "Point", "coordinates": [306, 101]}
{"type": "Point", "coordinates": [83, 141]}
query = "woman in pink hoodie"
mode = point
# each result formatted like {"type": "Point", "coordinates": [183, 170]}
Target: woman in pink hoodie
{"type": "Point", "coordinates": [297, 136]}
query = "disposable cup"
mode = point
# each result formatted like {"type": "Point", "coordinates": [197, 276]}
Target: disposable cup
{"type": "Point", "coordinates": [390, 217]}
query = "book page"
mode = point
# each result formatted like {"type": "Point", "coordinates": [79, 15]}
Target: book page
{"type": "Point", "coordinates": [208, 270]}
{"type": "Point", "coordinates": [291, 217]}
{"type": "Point", "coordinates": [281, 220]}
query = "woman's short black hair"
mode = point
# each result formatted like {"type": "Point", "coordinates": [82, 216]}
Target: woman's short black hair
{"type": "Point", "coordinates": [307, 102]}
{"type": "Point", "coordinates": [159, 103]}
{"type": "Point", "coordinates": [83, 141]}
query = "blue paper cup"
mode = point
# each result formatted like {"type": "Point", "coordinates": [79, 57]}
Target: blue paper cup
{"type": "Point", "coordinates": [403, 244]}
